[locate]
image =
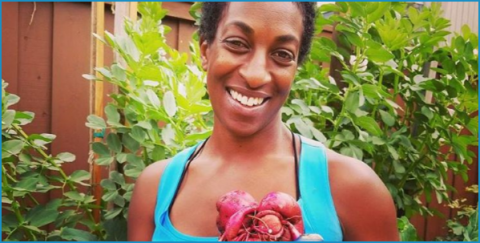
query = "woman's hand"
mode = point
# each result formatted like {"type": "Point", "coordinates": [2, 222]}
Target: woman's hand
{"type": "Point", "coordinates": [310, 237]}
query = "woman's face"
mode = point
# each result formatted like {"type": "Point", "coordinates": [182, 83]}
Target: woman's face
{"type": "Point", "coordinates": [251, 64]}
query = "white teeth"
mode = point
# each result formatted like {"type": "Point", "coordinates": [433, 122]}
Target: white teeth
{"type": "Point", "coordinates": [250, 101]}
{"type": "Point", "coordinates": [244, 100]}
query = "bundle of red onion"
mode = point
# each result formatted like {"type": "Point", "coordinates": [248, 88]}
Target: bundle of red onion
{"type": "Point", "coordinates": [276, 218]}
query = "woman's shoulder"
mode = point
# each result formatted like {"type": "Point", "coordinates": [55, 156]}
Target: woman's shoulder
{"type": "Point", "coordinates": [361, 199]}
{"type": "Point", "coordinates": [152, 173]}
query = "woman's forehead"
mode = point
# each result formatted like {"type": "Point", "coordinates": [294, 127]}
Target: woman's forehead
{"type": "Point", "coordinates": [264, 13]}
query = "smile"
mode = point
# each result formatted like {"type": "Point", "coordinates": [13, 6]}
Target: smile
{"type": "Point", "coordinates": [245, 100]}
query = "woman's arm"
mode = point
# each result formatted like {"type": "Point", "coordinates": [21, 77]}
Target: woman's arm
{"type": "Point", "coordinates": [363, 203]}
{"type": "Point", "coordinates": [142, 206]}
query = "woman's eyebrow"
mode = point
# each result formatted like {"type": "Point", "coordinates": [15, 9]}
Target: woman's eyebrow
{"type": "Point", "coordinates": [244, 27]}
{"type": "Point", "coordinates": [287, 38]}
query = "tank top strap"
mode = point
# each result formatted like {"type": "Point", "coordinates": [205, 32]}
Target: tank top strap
{"type": "Point", "coordinates": [169, 181]}
{"type": "Point", "coordinates": [319, 212]}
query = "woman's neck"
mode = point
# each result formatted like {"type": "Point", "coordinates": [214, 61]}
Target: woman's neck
{"type": "Point", "coordinates": [273, 139]}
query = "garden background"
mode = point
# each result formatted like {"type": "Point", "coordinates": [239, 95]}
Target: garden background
{"type": "Point", "coordinates": [418, 145]}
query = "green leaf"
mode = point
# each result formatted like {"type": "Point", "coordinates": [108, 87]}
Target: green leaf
{"type": "Point", "coordinates": [117, 178]}
{"type": "Point", "coordinates": [80, 176]}
{"type": "Point", "coordinates": [114, 142]}
{"type": "Point", "coordinates": [357, 9]}
{"type": "Point", "coordinates": [109, 196]}
{"type": "Point", "coordinates": [352, 101]}
{"type": "Point", "coordinates": [24, 117]}
{"type": "Point", "coordinates": [427, 112]}
{"type": "Point", "coordinates": [113, 117]}
{"type": "Point", "coordinates": [301, 126]}
{"type": "Point", "coordinates": [168, 135]}
{"type": "Point", "coordinates": [118, 72]}
{"type": "Point", "coordinates": [7, 119]}
{"type": "Point", "coordinates": [27, 184]}
{"type": "Point", "coordinates": [113, 213]}
{"type": "Point", "coordinates": [130, 143]}
{"type": "Point", "coordinates": [144, 124]}
{"type": "Point", "coordinates": [72, 234]}
{"type": "Point", "coordinates": [89, 77]}
{"type": "Point", "coordinates": [138, 134]}
{"type": "Point", "coordinates": [121, 157]}
{"type": "Point", "coordinates": [370, 91]}
{"type": "Point", "coordinates": [354, 39]}
{"type": "Point", "coordinates": [11, 99]}
{"type": "Point", "coordinates": [74, 195]}
{"type": "Point", "coordinates": [153, 98]}
{"type": "Point", "coordinates": [66, 157]}
{"type": "Point", "coordinates": [108, 184]}
{"type": "Point", "coordinates": [329, 7]}
{"type": "Point", "coordinates": [104, 160]}
{"type": "Point", "coordinates": [41, 139]}
{"type": "Point", "coordinates": [393, 153]}
{"type": "Point", "coordinates": [388, 119]}
{"type": "Point", "coordinates": [100, 149]}
{"type": "Point", "coordinates": [105, 72]}
{"type": "Point", "coordinates": [43, 217]}
{"type": "Point", "coordinates": [352, 151]}
{"type": "Point", "coordinates": [158, 153]}
{"type": "Point", "coordinates": [369, 124]}
{"type": "Point", "coordinates": [169, 103]}
{"type": "Point", "coordinates": [95, 122]}
{"type": "Point", "coordinates": [380, 10]}
{"type": "Point", "coordinates": [380, 55]}
{"type": "Point", "coordinates": [12, 147]}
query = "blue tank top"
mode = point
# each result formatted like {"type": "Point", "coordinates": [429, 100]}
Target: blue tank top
{"type": "Point", "coordinates": [318, 210]}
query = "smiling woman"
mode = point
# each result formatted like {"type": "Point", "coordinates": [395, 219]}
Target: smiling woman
{"type": "Point", "coordinates": [251, 52]}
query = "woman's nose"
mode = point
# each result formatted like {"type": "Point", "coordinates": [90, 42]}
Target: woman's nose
{"type": "Point", "coordinates": [255, 71]}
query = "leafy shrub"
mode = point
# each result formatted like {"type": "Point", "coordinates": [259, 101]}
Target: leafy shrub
{"type": "Point", "coordinates": [378, 110]}
{"type": "Point", "coordinates": [28, 170]}
{"type": "Point", "coordinates": [159, 110]}
{"type": "Point", "coordinates": [461, 231]}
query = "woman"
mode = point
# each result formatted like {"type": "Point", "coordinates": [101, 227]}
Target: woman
{"type": "Point", "coordinates": [251, 52]}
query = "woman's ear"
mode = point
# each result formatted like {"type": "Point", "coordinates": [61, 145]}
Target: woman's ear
{"type": "Point", "coordinates": [203, 53]}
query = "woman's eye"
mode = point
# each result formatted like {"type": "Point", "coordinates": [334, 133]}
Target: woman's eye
{"type": "Point", "coordinates": [284, 56]}
{"type": "Point", "coordinates": [236, 44]}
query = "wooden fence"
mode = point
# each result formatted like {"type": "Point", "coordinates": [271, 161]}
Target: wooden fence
{"type": "Point", "coordinates": [45, 51]}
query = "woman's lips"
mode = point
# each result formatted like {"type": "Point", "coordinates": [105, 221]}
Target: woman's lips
{"type": "Point", "coordinates": [245, 100]}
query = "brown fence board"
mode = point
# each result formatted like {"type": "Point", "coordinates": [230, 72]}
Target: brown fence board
{"type": "Point", "coordinates": [178, 10]}
{"type": "Point", "coordinates": [10, 45]}
{"type": "Point", "coordinates": [185, 33]}
{"type": "Point", "coordinates": [71, 92]}
{"type": "Point", "coordinates": [172, 36]}
{"type": "Point", "coordinates": [34, 65]}
{"type": "Point", "coordinates": [70, 97]}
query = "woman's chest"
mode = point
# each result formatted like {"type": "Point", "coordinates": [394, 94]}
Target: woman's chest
{"type": "Point", "coordinates": [194, 210]}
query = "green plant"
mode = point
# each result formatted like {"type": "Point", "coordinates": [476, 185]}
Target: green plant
{"type": "Point", "coordinates": [159, 110]}
{"type": "Point", "coordinates": [406, 230]}
{"type": "Point", "coordinates": [379, 109]}
{"type": "Point", "coordinates": [464, 226]}
{"type": "Point", "coordinates": [28, 170]}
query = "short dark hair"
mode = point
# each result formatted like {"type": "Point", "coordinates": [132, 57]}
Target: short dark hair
{"type": "Point", "coordinates": [212, 13]}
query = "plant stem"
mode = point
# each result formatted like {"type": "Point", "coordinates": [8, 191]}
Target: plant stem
{"type": "Point", "coordinates": [46, 157]}
{"type": "Point", "coordinates": [339, 119]}
{"type": "Point", "coordinates": [397, 77]}
{"type": "Point", "coordinates": [380, 80]}
{"type": "Point", "coordinates": [10, 196]}
{"type": "Point", "coordinates": [415, 163]}
{"type": "Point", "coordinates": [50, 160]}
